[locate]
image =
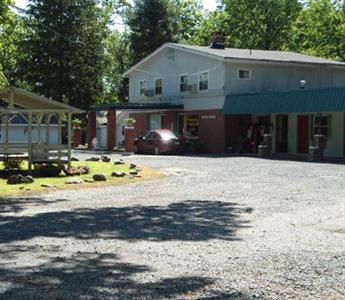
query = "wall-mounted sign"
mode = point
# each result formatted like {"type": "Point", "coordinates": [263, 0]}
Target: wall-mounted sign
{"type": "Point", "coordinates": [208, 117]}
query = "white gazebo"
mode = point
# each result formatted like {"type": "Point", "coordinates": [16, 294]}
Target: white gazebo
{"type": "Point", "coordinates": [37, 110]}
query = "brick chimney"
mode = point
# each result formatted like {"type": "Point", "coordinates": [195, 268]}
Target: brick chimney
{"type": "Point", "coordinates": [217, 40]}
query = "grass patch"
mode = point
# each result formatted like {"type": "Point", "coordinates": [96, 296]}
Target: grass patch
{"type": "Point", "coordinates": [59, 182]}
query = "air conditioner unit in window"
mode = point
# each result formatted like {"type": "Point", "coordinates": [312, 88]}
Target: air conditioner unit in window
{"type": "Point", "coordinates": [149, 93]}
{"type": "Point", "coordinates": [192, 88]}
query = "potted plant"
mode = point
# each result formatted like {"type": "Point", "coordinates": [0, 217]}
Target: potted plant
{"type": "Point", "coordinates": [130, 123]}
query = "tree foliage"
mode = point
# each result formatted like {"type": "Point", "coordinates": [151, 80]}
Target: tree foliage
{"type": "Point", "coordinates": [320, 30]}
{"type": "Point", "coordinates": [64, 50]}
{"type": "Point", "coordinates": [152, 23]}
{"type": "Point", "coordinates": [259, 24]}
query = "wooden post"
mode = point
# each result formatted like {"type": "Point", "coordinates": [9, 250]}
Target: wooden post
{"type": "Point", "coordinates": [30, 142]}
{"type": "Point", "coordinates": [6, 130]}
{"type": "Point", "coordinates": [39, 132]}
{"type": "Point", "coordinates": [69, 137]}
{"type": "Point", "coordinates": [48, 116]}
{"type": "Point", "coordinates": [11, 99]}
{"type": "Point", "coordinates": [60, 117]}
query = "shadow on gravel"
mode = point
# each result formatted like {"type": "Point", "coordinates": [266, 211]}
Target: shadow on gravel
{"type": "Point", "coordinates": [188, 221]}
{"type": "Point", "coordinates": [15, 205]}
{"type": "Point", "coordinates": [92, 276]}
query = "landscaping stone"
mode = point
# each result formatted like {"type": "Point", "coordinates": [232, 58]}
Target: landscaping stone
{"type": "Point", "coordinates": [89, 180]}
{"type": "Point", "coordinates": [132, 166]}
{"type": "Point", "coordinates": [19, 179]}
{"type": "Point", "coordinates": [46, 185]}
{"type": "Point", "coordinates": [118, 174]}
{"type": "Point", "coordinates": [74, 180]}
{"type": "Point", "coordinates": [133, 172]}
{"type": "Point", "coordinates": [93, 159]}
{"type": "Point", "coordinates": [30, 178]}
{"type": "Point", "coordinates": [119, 162]}
{"type": "Point", "coordinates": [100, 177]}
{"type": "Point", "coordinates": [105, 158]}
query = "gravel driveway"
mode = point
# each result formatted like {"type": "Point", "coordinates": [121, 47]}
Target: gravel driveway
{"type": "Point", "coordinates": [213, 228]}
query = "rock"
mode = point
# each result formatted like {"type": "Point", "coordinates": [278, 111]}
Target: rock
{"type": "Point", "coordinates": [132, 166]}
{"type": "Point", "coordinates": [89, 181]}
{"type": "Point", "coordinates": [105, 158]}
{"type": "Point", "coordinates": [30, 178]}
{"type": "Point", "coordinates": [45, 185]}
{"type": "Point", "coordinates": [100, 177]}
{"type": "Point", "coordinates": [119, 162]}
{"type": "Point", "coordinates": [133, 172]}
{"type": "Point", "coordinates": [74, 159]}
{"type": "Point", "coordinates": [118, 174]}
{"type": "Point", "coordinates": [19, 179]}
{"type": "Point", "coordinates": [93, 159]}
{"type": "Point", "coordinates": [74, 180]}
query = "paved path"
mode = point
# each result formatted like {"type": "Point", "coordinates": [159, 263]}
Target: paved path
{"type": "Point", "coordinates": [214, 228]}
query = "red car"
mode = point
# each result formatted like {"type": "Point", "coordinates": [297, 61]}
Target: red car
{"type": "Point", "coordinates": [159, 141]}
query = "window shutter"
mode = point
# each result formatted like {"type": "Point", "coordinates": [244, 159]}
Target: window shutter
{"type": "Point", "coordinates": [330, 123]}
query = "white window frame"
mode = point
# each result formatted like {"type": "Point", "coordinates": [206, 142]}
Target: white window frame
{"type": "Point", "coordinates": [147, 84]}
{"type": "Point", "coordinates": [208, 80]}
{"type": "Point", "coordinates": [244, 70]}
{"type": "Point", "coordinates": [179, 85]}
{"type": "Point", "coordinates": [157, 78]}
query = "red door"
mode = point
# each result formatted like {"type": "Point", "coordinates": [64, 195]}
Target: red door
{"type": "Point", "coordinates": [303, 134]}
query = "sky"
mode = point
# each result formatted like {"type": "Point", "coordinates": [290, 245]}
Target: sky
{"type": "Point", "coordinates": [208, 4]}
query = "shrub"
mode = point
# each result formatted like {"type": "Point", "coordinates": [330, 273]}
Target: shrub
{"type": "Point", "coordinates": [13, 163]}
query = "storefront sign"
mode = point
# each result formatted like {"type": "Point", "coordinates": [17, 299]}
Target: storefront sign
{"type": "Point", "coordinates": [208, 117]}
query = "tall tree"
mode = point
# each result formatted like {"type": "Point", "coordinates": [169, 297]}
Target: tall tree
{"type": "Point", "coordinates": [191, 16]}
{"type": "Point", "coordinates": [117, 62]}
{"type": "Point", "coordinates": [65, 50]}
{"type": "Point", "coordinates": [6, 22]}
{"type": "Point", "coordinates": [151, 23]}
{"type": "Point", "coordinates": [320, 30]}
{"type": "Point", "coordinates": [262, 24]}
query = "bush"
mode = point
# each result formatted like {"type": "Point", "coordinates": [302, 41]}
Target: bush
{"type": "Point", "coordinates": [47, 170]}
{"type": "Point", "coordinates": [13, 163]}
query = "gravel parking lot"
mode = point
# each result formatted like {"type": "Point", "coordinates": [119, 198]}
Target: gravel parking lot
{"type": "Point", "coordinates": [213, 228]}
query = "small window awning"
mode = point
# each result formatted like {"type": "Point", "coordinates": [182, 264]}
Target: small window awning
{"type": "Point", "coordinates": [302, 101]}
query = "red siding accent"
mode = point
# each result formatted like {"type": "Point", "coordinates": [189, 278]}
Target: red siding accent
{"type": "Point", "coordinates": [76, 137]}
{"type": "Point", "coordinates": [91, 127]}
{"type": "Point", "coordinates": [140, 127]}
{"type": "Point", "coordinates": [111, 129]}
{"type": "Point", "coordinates": [170, 119]}
{"type": "Point", "coordinates": [211, 130]}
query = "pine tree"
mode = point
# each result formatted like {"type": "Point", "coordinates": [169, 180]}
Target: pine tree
{"type": "Point", "coordinates": [64, 50]}
{"type": "Point", "coordinates": [151, 23]}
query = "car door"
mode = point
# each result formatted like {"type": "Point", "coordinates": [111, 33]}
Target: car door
{"type": "Point", "coordinates": [151, 142]}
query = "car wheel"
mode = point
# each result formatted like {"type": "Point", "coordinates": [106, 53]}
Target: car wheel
{"type": "Point", "coordinates": [156, 151]}
{"type": "Point", "coordinates": [135, 149]}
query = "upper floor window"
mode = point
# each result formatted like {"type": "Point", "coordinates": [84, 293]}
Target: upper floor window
{"type": "Point", "coordinates": [203, 81]}
{"type": "Point", "coordinates": [184, 83]}
{"type": "Point", "coordinates": [143, 87]}
{"type": "Point", "coordinates": [244, 74]}
{"type": "Point", "coordinates": [158, 86]}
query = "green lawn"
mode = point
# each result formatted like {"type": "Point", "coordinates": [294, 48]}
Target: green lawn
{"type": "Point", "coordinates": [59, 182]}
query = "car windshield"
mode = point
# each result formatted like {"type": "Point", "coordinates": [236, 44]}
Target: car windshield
{"type": "Point", "coordinates": [167, 135]}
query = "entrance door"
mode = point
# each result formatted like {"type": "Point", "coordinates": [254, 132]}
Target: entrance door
{"type": "Point", "coordinates": [303, 134]}
{"type": "Point", "coordinates": [282, 134]}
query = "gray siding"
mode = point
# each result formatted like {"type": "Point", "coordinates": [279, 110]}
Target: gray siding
{"type": "Point", "coordinates": [269, 77]}
{"type": "Point", "coordinates": [160, 66]}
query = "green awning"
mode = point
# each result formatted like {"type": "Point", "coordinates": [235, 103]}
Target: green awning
{"type": "Point", "coordinates": [303, 101]}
